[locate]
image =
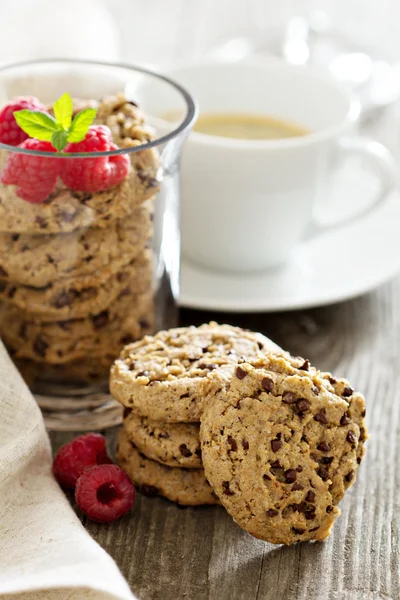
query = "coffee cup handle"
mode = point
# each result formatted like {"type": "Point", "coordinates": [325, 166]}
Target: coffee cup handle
{"type": "Point", "coordinates": [381, 162]}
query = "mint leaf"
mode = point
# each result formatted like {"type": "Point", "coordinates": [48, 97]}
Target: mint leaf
{"type": "Point", "coordinates": [36, 124]}
{"type": "Point", "coordinates": [63, 111]}
{"type": "Point", "coordinates": [81, 124]}
{"type": "Point", "coordinates": [59, 139]}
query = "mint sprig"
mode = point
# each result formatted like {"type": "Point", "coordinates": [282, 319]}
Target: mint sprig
{"type": "Point", "coordinates": [60, 129]}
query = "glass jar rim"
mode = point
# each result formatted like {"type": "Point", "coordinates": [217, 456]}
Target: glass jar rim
{"type": "Point", "coordinates": [189, 118]}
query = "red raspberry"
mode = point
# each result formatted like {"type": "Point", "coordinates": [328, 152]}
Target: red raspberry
{"type": "Point", "coordinates": [10, 131]}
{"type": "Point", "coordinates": [94, 174]}
{"type": "Point", "coordinates": [34, 176]}
{"type": "Point", "coordinates": [104, 493]}
{"type": "Point", "coordinates": [72, 459]}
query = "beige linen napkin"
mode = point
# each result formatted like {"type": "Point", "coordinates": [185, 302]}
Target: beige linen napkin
{"type": "Point", "coordinates": [44, 550]}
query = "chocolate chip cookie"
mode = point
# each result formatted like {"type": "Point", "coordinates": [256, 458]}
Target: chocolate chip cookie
{"type": "Point", "coordinates": [167, 377]}
{"type": "Point", "coordinates": [78, 297]}
{"type": "Point", "coordinates": [281, 443]}
{"type": "Point", "coordinates": [127, 319]}
{"type": "Point", "coordinates": [184, 486]}
{"type": "Point", "coordinates": [172, 444]}
{"type": "Point", "coordinates": [36, 260]}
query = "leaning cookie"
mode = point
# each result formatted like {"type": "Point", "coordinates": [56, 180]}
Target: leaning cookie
{"type": "Point", "coordinates": [185, 486]}
{"type": "Point", "coordinates": [36, 260]}
{"type": "Point", "coordinates": [167, 377]}
{"type": "Point", "coordinates": [172, 444]}
{"type": "Point", "coordinates": [280, 446]}
{"type": "Point", "coordinates": [78, 297]}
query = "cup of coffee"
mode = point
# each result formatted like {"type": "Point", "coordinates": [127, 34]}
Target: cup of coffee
{"type": "Point", "coordinates": [263, 152]}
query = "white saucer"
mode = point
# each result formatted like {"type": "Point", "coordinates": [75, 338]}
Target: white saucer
{"type": "Point", "coordinates": [336, 266]}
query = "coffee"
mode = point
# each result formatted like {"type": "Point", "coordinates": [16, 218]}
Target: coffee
{"type": "Point", "coordinates": [247, 126]}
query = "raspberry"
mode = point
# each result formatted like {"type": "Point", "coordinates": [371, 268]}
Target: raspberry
{"type": "Point", "coordinates": [94, 174]}
{"type": "Point", "coordinates": [34, 176]}
{"type": "Point", "coordinates": [10, 131]}
{"type": "Point", "coordinates": [104, 493]}
{"type": "Point", "coordinates": [72, 459]}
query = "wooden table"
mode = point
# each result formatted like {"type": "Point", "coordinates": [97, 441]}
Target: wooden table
{"type": "Point", "coordinates": [170, 553]}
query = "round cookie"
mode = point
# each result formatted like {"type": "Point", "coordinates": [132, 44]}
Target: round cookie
{"type": "Point", "coordinates": [172, 444]}
{"type": "Point", "coordinates": [66, 210]}
{"type": "Point", "coordinates": [188, 487]}
{"type": "Point", "coordinates": [36, 260]}
{"type": "Point", "coordinates": [79, 372]}
{"type": "Point", "coordinates": [74, 298]}
{"type": "Point", "coordinates": [127, 319]}
{"type": "Point", "coordinates": [168, 377]}
{"type": "Point", "coordinates": [280, 446]}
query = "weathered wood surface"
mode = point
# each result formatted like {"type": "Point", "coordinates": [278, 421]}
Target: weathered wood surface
{"type": "Point", "coordinates": [167, 553]}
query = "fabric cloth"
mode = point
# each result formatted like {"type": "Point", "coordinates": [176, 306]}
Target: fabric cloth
{"type": "Point", "coordinates": [45, 553]}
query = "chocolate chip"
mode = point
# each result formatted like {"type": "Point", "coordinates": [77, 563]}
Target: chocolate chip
{"type": "Point", "coordinates": [364, 412]}
{"type": "Point", "coordinates": [3, 285]}
{"type": "Point", "coordinates": [127, 412]}
{"type": "Point", "coordinates": [348, 391]}
{"type": "Point", "coordinates": [40, 346]}
{"type": "Point", "coordinates": [297, 486]}
{"type": "Point", "coordinates": [260, 345]}
{"type": "Point", "coordinates": [164, 435]}
{"type": "Point", "coordinates": [298, 530]}
{"type": "Point", "coordinates": [323, 447]}
{"type": "Point", "coordinates": [345, 420]}
{"type": "Point", "coordinates": [359, 460]}
{"type": "Point", "coordinates": [210, 367]}
{"type": "Point", "coordinates": [290, 476]}
{"type": "Point", "coordinates": [232, 443]}
{"type": "Point", "coordinates": [276, 465]}
{"type": "Point", "coordinates": [148, 490]}
{"type": "Point", "coordinates": [267, 383]}
{"type": "Point", "coordinates": [326, 460]}
{"type": "Point", "coordinates": [303, 405]}
{"type": "Point", "coordinates": [305, 366]}
{"type": "Point", "coordinates": [144, 324]}
{"type": "Point", "coordinates": [143, 374]}
{"type": "Point", "coordinates": [349, 477]}
{"type": "Point", "coordinates": [245, 444]}
{"type": "Point", "coordinates": [321, 417]}
{"type": "Point", "coordinates": [332, 380]}
{"type": "Point", "coordinates": [272, 512]}
{"type": "Point", "coordinates": [184, 450]}
{"type": "Point", "coordinates": [15, 237]}
{"type": "Point", "coordinates": [315, 390]}
{"type": "Point", "coordinates": [64, 298]}
{"type": "Point", "coordinates": [310, 497]}
{"type": "Point", "coordinates": [276, 445]}
{"type": "Point", "coordinates": [3, 272]}
{"type": "Point", "coordinates": [41, 222]}
{"type": "Point", "coordinates": [288, 397]}
{"type": "Point", "coordinates": [11, 291]}
{"type": "Point", "coordinates": [299, 469]}
{"type": "Point", "coordinates": [266, 477]}
{"type": "Point", "coordinates": [309, 513]}
{"type": "Point", "coordinates": [240, 373]}
{"type": "Point", "coordinates": [101, 319]}
{"type": "Point", "coordinates": [329, 509]}
{"type": "Point", "coordinates": [362, 434]}
{"type": "Point", "coordinates": [323, 473]}
{"type": "Point", "coordinates": [187, 395]}
{"type": "Point", "coordinates": [351, 437]}
{"type": "Point", "coordinates": [226, 489]}
{"type": "Point", "coordinates": [127, 339]}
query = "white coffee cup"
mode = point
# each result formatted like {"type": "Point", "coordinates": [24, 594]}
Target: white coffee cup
{"type": "Point", "coordinates": [246, 204]}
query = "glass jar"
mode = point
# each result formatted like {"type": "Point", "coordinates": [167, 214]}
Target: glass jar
{"type": "Point", "coordinates": [88, 267]}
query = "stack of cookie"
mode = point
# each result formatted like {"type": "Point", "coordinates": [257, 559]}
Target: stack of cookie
{"type": "Point", "coordinates": [278, 443]}
{"type": "Point", "coordinates": [76, 270]}
{"type": "Point", "coordinates": [163, 383]}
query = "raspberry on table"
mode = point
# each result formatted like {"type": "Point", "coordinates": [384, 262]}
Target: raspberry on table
{"type": "Point", "coordinates": [104, 493]}
{"type": "Point", "coordinates": [34, 176]}
{"type": "Point", "coordinates": [72, 459]}
{"type": "Point", "coordinates": [10, 132]}
{"type": "Point", "coordinates": [94, 174]}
